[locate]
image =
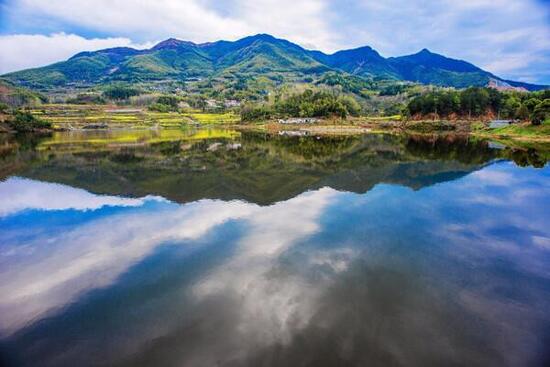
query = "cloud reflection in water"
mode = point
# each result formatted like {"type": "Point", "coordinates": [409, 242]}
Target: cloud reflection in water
{"type": "Point", "coordinates": [451, 273]}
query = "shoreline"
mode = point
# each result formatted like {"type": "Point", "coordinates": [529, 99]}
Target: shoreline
{"type": "Point", "coordinates": [318, 129]}
{"type": "Point", "coordinates": [94, 118]}
{"type": "Point", "coordinates": [397, 128]}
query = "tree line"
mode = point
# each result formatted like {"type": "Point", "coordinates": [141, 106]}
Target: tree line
{"type": "Point", "coordinates": [305, 104]}
{"type": "Point", "coordinates": [475, 102]}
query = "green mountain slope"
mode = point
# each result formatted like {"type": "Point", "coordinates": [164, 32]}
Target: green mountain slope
{"type": "Point", "coordinates": [430, 68]}
{"type": "Point", "coordinates": [363, 61]}
{"type": "Point", "coordinates": [252, 56]}
{"type": "Point", "coordinates": [264, 53]}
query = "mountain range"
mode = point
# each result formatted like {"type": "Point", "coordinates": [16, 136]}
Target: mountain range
{"type": "Point", "coordinates": [261, 54]}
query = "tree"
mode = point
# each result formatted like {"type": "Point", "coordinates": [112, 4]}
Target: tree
{"type": "Point", "coordinates": [351, 105]}
{"type": "Point", "coordinates": [541, 112]}
{"type": "Point", "coordinates": [170, 101]}
{"type": "Point", "coordinates": [511, 104]}
{"type": "Point", "coordinates": [531, 103]}
{"type": "Point", "coordinates": [495, 100]}
{"type": "Point", "coordinates": [522, 112]}
{"type": "Point", "coordinates": [474, 101]}
{"type": "Point", "coordinates": [121, 92]}
{"type": "Point", "coordinates": [317, 104]}
{"type": "Point", "coordinates": [394, 109]}
{"type": "Point", "coordinates": [255, 112]}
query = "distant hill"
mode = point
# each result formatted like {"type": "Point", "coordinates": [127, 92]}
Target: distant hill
{"type": "Point", "coordinates": [261, 54]}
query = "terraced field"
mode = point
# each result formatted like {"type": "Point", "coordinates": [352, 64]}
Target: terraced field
{"type": "Point", "coordinates": [66, 116]}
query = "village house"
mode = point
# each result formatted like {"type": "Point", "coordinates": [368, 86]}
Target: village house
{"type": "Point", "coordinates": [299, 120]}
{"type": "Point", "coordinates": [230, 103]}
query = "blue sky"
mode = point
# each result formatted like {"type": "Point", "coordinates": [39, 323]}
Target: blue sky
{"type": "Point", "coordinates": [510, 38]}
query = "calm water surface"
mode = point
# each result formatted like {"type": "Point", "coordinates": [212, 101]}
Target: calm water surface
{"type": "Point", "coordinates": [214, 248]}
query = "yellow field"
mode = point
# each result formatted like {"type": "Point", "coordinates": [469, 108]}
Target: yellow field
{"type": "Point", "coordinates": [78, 116]}
{"type": "Point", "coordinates": [214, 118]}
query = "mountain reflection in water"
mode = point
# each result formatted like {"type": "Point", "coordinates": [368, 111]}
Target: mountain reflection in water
{"type": "Point", "coordinates": [246, 249]}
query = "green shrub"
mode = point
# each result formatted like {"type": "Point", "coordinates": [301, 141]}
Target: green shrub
{"type": "Point", "coordinates": [159, 107]}
{"type": "Point", "coordinates": [256, 112]}
{"type": "Point", "coordinates": [25, 122]}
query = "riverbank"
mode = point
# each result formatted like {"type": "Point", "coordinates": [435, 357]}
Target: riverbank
{"type": "Point", "coordinates": [64, 117]}
{"type": "Point", "coordinates": [517, 132]}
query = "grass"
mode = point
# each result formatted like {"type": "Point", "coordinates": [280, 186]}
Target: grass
{"type": "Point", "coordinates": [525, 129]}
{"type": "Point", "coordinates": [522, 131]}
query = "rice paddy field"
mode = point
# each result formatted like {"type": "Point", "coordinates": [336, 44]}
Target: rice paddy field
{"type": "Point", "coordinates": [91, 117]}
{"type": "Point", "coordinates": [67, 116]}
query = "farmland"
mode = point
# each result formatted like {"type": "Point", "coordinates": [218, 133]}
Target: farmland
{"type": "Point", "coordinates": [68, 116]}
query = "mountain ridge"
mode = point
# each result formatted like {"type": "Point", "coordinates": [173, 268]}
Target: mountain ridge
{"type": "Point", "coordinates": [259, 54]}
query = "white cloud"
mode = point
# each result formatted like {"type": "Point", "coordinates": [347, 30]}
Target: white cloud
{"type": "Point", "coordinates": [162, 17]}
{"type": "Point", "coordinates": [303, 21]}
{"type": "Point", "coordinates": [24, 51]}
{"type": "Point", "coordinates": [510, 38]}
{"type": "Point", "coordinates": [94, 254]}
{"type": "Point", "coordinates": [271, 308]}
{"type": "Point", "coordinates": [19, 194]}
{"type": "Point", "coordinates": [506, 37]}
{"type": "Point", "coordinates": [493, 177]}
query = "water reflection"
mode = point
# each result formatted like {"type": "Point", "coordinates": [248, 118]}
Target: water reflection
{"type": "Point", "coordinates": [19, 194]}
{"type": "Point", "coordinates": [184, 166]}
{"type": "Point", "coordinates": [378, 252]}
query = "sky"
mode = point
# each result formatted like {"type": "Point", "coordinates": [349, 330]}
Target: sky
{"type": "Point", "coordinates": [510, 38]}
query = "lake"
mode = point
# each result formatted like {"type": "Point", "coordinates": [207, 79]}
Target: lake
{"type": "Point", "coordinates": [218, 247]}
